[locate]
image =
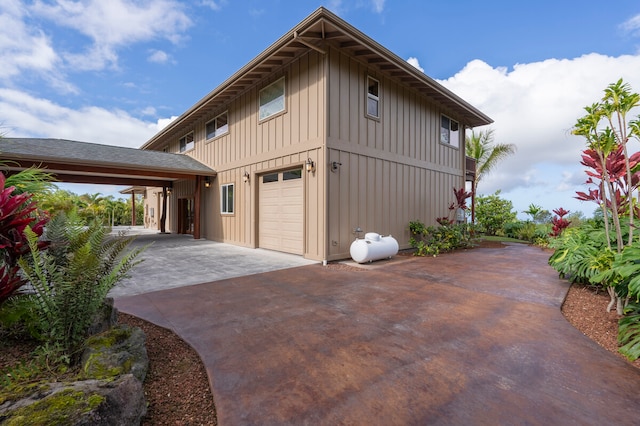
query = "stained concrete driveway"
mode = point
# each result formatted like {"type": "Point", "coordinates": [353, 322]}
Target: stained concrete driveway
{"type": "Point", "coordinates": [474, 337]}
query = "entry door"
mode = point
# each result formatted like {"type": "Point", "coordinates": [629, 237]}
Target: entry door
{"type": "Point", "coordinates": [185, 215]}
{"type": "Point", "coordinates": [281, 211]}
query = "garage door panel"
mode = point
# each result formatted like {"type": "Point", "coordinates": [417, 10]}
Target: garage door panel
{"type": "Point", "coordinates": [281, 212]}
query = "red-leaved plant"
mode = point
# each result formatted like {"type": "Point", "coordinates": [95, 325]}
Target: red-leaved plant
{"type": "Point", "coordinates": [559, 222]}
{"type": "Point", "coordinates": [16, 213]}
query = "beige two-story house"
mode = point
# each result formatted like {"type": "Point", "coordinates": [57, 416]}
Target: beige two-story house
{"type": "Point", "coordinates": [324, 133]}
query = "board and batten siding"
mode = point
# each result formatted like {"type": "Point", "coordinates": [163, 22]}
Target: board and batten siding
{"type": "Point", "coordinates": [257, 147]}
{"type": "Point", "coordinates": [394, 169]}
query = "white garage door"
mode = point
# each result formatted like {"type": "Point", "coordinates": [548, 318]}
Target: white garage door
{"type": "Point", "coordinates": [281, 211]}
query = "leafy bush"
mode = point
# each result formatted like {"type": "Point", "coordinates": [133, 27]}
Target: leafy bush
{"type": "Point", "coordinates": [433, 240]}
{"type": "Point", "coordinates": [581, 253]}
{"type": "Point", "coordinates": [492, 213]}
{"type": "Point", "coordinates": [72, 278]}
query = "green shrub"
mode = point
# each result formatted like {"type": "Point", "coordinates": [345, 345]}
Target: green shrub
{"type": "Point", "coordinates": [492, 213]}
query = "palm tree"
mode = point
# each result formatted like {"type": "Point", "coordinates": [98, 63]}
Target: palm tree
{"type": "Point", "coordinates": [480, 146]}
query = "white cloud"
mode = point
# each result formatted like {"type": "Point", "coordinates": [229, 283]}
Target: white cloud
{"type": "Point", "coordinates": [378, 5]}
{"type": "Point", "coordinates": [416, 63]}
{"type": "Point", "coordinates": [632, 25]}
{"type": "Point", "coordinates": [113, 24]}
{"type": "Point", "coordinates": [26, 116]}
{"type": "Point", "coordinates": [22, 47]}
{"type": "Point", "coordinates": [534, 107]}
{"type": "Point", "coordinates": [158, 56]}
{"type": "Point", "coordinates": [213, 5]}
{"type": "Point", "coordinates": [164, 122]}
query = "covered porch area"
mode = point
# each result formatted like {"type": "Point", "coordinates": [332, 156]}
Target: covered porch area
{"type": "Point", "coordinates": [83, 162]}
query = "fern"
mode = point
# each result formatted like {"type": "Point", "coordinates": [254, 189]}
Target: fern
{"type": "Point", "coordinates": [73, 278]}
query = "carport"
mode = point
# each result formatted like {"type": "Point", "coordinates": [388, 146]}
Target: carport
{"type": "Point", "coordinates": [82, 162]}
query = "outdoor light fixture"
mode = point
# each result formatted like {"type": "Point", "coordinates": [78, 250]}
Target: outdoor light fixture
{"type": "Point", "coordinates": [245, 177]}
{"type": "Point", "coordinates": [335, 165]}
{"type": "Point", "coordinates": [169, 191]}
{"type": "Point", "coordinates": [311, 166]}
{"type": "Point", "coordinates": [207, 182]}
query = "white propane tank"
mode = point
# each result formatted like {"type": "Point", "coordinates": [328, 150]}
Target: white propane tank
{"type": "Point", "coordinates": [373, 247]}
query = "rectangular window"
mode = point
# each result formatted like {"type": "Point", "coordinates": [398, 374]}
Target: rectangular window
{"type": "Point", "coordinates": [449, 131]}
{"type": "Point", "coordinates": [186, 142]}
{"type": "Point", "coordinates": [272, 99]}
{"type": "Point", "coordinates": [226, 198]}
{"type": "Point", "coordinates": [272, 177]}
{"type": "Point", "coordinates": [218, 126]}
{"type": "Point", "coordinates": [292, 174]}
{"type": "Point", "coordinates": [373, 97]}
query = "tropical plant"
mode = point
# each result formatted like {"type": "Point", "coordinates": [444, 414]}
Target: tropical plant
{"type": "Point", "coordinates": [559, 222]}
{"type": "Point", "coordinates": [433, 240]}
{"type": "Point", "coordinates": [17, 213]}
{"type": "Point", "coordinates": [487, 154]}
{"type": "Point", "coordinates": [72, 278]}
{"type": "Point", "coordinates": [612, 170]}
{"type": "Point", "coordinates": [629, 332]}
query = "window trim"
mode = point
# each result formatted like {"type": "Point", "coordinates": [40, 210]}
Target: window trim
{"type": "Point", "coordinates": [449, 130]}
{"type": "Point", "coordinates": [224, 193]}
{"type": "Point", "coordinates": [284, 103]}
{"type": "Point", "coordinates": [216, 135]}
{"type": "Point", "coordinates": [373, 97]}
{"type": "Point", "coordinates": [186, 146]}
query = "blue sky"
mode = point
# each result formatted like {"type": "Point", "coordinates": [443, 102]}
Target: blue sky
{"type": "Point", "coordinates": [115, 71]}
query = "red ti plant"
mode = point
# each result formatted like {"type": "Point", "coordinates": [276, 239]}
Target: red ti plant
{"type": "Point", "coordinates": [16, 213]}
{"type": "Point", "coordinates": [559, 222]}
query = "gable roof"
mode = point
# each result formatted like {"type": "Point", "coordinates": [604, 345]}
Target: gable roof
{"type": "Point", "coordinates": [87, 162]}
{"type": "Point", "coordinates": [318, 30]}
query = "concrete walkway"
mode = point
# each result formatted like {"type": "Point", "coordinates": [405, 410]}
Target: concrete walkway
{"type": "Point", "coordinates": [474, 337]}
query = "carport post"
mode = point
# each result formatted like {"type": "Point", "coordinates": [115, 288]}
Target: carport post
{"type": "Point", "coordinates": [163, 216]}
{"type": "Point", "coordinates": [133, 208]}
{"type": "Point", "coordinates": [196, 208]}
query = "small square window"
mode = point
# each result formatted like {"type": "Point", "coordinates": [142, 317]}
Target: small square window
{"type": "Point", "coordinates": [186, 142]}
{"type": "Point", "coordinates": [373, 97]}
{"type": "Point", "coordinates": [218, 126]}
{"type": "Point", "coordinates": [226, 198]}
{"type": "Point", "coordinates": [272, 99]}
{"type": "Point", "coordinates": [449, 131]}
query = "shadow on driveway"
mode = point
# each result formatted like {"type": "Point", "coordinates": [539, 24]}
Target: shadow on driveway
{"type": "Point", "coordinates": [473, 337]}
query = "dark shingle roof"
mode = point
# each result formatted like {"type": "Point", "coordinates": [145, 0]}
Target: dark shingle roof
{"type": "Point", "coordinates": [64, 151]}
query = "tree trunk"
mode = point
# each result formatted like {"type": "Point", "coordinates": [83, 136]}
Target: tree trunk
{"type": "Point", "coordinates": [613, 296]}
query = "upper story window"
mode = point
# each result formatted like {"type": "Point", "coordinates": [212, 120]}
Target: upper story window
{"type": "Point", "coordinates": [218, 126]}
{"type": "Point", "coordinates": [373, 97]}
{"type": "Point", "coordinates": [186, 142]}
{"type": "Point", "coordinates": [272, 99]}
{"type": "Point", "coordinates": [449, 131]}
{"type": "Point", "coordinates": [226, 198]}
